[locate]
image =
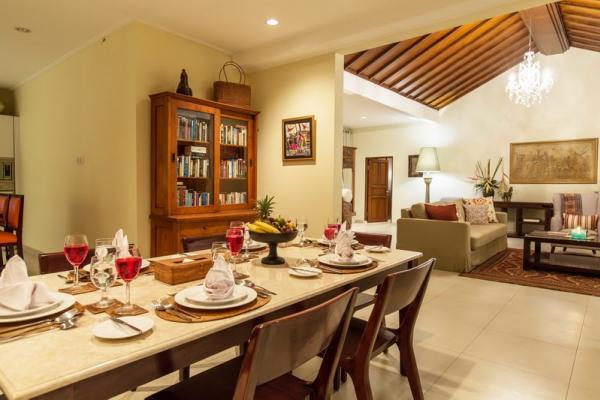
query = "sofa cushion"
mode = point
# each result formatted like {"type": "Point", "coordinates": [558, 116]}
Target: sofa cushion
{"type": "Point", "coordinates": [460, 209]}
{"type": "Point", "coordinates": [484, 200]}
{"type": "Point", "coordinates": [477, 214]}
{"type": "Point", "coordinates": [571, 221]}
{"type": "Point", "coordinates": [442, 212]}
{"type": "Point", "coordinates": [484, 234]}
{"type": "Point", "coordinates": [418, 211]}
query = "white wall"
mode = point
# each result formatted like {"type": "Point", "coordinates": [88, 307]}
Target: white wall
{"type": "Point", "coordinates": [482, 125]}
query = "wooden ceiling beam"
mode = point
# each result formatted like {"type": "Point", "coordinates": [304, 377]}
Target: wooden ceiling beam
{"type": "Point", "coordinates": [480, 79]}
{"type": "Point", "coordinates": [580, 11]}
{"type": "Point", "coordinates": [465, 60]}
{"type": "Point", "coordinates": [577, 19]}
{"type": "Point", "coordinates": [366, 57]}
{"type": "Point", "coordinates": [582, 28]}
{"type": "Point", "coordinates": [503, 49]}
{"type": "Point", "coordinates": [547, 28]}
{"type": "Point", "coordinates": [582, 3]}
{"type": "Point", "coordinates": [594, 37]}
{"type": "Point", "coordinates": [392, 53]}
{"type": "Point", "coordinates": [469, 39]}
{"type": "Point", "coordinates": [434, 51]}
{"type": "Point", "coordinates": [586, 46]}
{"type": "Point", "coordinates": [586, 41]}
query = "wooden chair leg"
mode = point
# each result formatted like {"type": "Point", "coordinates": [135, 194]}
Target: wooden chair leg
{"type": "Point", "coordinates": [409, 363]}
{"type": "Point", "coordinates": [564, 249]}
{"type": "Point", "coordinates": [362, 384]}
{"type": "Point", "coordinates": [337, 379]}
{"type": "Point", "coordinates": [184, 373]}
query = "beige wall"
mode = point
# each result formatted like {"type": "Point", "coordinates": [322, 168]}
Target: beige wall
{"type": "Point", "coordinates": [95, 105]}
{"type": "Point", "coordinates": [482, 125]}
{"type": "Point", "coordinates": [310, 87]}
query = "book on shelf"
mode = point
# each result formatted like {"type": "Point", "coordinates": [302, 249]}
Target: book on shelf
{"type": "Point", "coordinates": [532, 220]}
{"type": "Point", "coordinates": [191, 198]}
{"type": "Point", "coordinates": [192, 129]}
{"type": "Point", "coordinates": [233, 198]}
{"type": "Point", "coordinates": [234, 134]}
{"type": "Point", "coordinates": [192, 167]}
{"type": "Point", "coordinates": [235, 168]}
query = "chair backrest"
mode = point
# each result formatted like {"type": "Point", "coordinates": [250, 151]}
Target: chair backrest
{"type": "Point", "coordinates": [14, 217]}
{"type": "Point", "coordinates": [373, 239]}
{"type": "Point", "coordinates": [401, 291]}
{"type": "Point", "coordinates": [57, 262]}
{"type": "Point", "coordinates": [196, 243]}
{"type": "Point", "coordinates": [4, 198]}
{"type": "Point", "coordinates": [277, 347]}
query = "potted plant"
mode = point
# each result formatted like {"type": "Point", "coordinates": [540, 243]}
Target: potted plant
{"type": "Point", "coordinates": [488, 182]}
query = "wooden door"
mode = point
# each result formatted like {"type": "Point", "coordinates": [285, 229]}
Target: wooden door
{"type": "Point", "coordinates": [378, 202]}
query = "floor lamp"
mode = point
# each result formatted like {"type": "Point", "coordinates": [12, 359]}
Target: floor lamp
{"type": "Point", "coordinates": [428, 162]}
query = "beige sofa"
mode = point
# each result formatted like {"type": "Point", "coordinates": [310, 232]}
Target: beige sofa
{"type": "Point", "coordinates": [457, 246]}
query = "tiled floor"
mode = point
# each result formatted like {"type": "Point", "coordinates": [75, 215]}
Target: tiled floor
{"type": "Point", "coordinates": [485, 340]}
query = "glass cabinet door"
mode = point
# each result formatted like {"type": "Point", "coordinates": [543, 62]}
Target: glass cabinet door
{"type": "Point", "coordinates": [233, 163]}
{"type": "Point", "coordinates": [195, 138]}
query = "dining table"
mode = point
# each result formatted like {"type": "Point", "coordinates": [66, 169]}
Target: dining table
{"type": "Point", "coordinates": [74, 364]}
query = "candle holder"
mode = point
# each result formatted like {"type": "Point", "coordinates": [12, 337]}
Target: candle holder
{"type": "Point", "coordinates": [578, 234]}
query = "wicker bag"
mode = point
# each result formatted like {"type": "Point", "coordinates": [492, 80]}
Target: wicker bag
{"type": "Point", "coordinates": [227, 92]}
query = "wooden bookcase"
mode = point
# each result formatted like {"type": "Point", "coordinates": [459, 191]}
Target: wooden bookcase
{"type": "Point", "coordinates": [203, 168]}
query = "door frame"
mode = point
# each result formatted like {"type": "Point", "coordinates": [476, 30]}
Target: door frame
{"type": "Point", "coordinates": [390, 180]}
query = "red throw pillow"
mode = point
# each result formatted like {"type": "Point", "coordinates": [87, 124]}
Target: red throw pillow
{"type": "Point", "coordinates": [443, 212]}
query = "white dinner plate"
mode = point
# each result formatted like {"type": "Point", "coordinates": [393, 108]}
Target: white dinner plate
{"type": "Point", "coordinates": [325, 242]}
{"type": "Point", "coordinates": [113, 330]}
{"type": "Point", "coordinates": [198, 294]}
{"type": "Point", "coordinates": [65, 301]}
{"type": "Point", "coordinates": [255, 246]}
{"type": "Point", "coordinates": [305, 271]}
{"type": "Point", "coordinates": [378, 249]}
{"type": "Point", "coordinates": [145, 264]}
{"type": "Point", "coordinates": [6, 313]}
{"type": "Point", "coordinates": [180, 298]}
{"type": "Point", "coordinates": [359, 260]}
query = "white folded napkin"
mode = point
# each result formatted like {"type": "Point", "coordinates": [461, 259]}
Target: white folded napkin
{"type": "Point", "coordinates": [219, 282]}
{"type": "Point", "coordinates": [17, 292]}
{"type": "Point", "coordinates": [122, 244]}
{"type": "Point", "coordinates": [343, 246]}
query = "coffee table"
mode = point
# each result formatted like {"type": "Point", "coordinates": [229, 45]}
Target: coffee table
{"type": "Point", "coordinates": [563, 262]}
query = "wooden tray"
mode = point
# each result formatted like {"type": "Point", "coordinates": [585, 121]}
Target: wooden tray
{"type": "Point", "coordinates": [175, 271]}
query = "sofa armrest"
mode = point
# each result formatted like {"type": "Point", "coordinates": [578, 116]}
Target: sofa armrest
{"type": "Point", "coordinates": [502, 217]}
{"type": "Point", "coordinates": [447, 241]}
{"type": "Point", "coordinates": [556, 223]}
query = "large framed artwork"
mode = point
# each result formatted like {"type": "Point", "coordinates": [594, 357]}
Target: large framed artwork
{"type": "Point", "coordinates": [562, 161]}
{"type": "Point", "coordinates": [299, 139]}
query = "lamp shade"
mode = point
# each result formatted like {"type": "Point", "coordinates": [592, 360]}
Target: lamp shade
{"type": "Point", "coordinates": [428, 160]}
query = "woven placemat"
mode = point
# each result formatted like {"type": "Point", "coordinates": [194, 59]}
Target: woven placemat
{"type": "Point", "coordinates": [9, 331]}
{"type": "Point", "coordinates": [332, 270]}
{"type": "Point", "coordinates": [84, 288]}
{"type": "Point", "coordinates": [204, 315]}
{"type": "Point", "coordinates": [137, 310]}
{"type": "Point", "coordinates": [96, 310]}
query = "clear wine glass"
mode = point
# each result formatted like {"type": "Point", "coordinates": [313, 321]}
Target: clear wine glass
{"type": "Point", "coordinates": [103, 275]}
{"type": "Point", "coordinates": [76, 248]}
{"type": "Point", "coordinates": [247, 242]}
{"type": "Point", "coordinates": [220, 249]}
{"type": "Point", "coordinates": [235, 242]}
{"type": "Point", "coordinates": [302, 226]}
{"type": "Point", "coordinates": [128, 269]}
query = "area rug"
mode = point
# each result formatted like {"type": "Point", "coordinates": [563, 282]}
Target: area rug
{"type": "Point", "coordinates": [508, 267]}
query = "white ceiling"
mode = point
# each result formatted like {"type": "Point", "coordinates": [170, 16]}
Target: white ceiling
{"type": "Point", "coordinates": [308, 27]}
{"type": "Point", "coordinates": [375, 114]}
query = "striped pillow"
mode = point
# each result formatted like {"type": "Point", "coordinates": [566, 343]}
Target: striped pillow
{"type": "Point", "coordinates": [571, 221]}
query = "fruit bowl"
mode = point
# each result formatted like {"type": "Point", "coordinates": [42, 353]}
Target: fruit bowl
{"type": "Point", "coordinates": [272, 239]}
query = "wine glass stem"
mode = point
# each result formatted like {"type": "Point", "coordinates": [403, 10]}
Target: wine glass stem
{"type": "Point", "coordinates": [76, 283]}
{"type": "Point", "coordinates": [127, 294]}
{"type": "Point", "coordinates": [235, 264]}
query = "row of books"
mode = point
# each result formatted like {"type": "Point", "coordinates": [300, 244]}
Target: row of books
{"type": "Point", "coordinates": [192, 167]}
{"type": "Point", "coordinates": [191, 198]}
{"type": "Point", "coordinates": [236, 135]}
{"type": "Point", "coordinates": [233, 198]}
{"type": "Point", "coordinates": [235, 168]}
{"type": "Point", "coordinates": [192, 128]}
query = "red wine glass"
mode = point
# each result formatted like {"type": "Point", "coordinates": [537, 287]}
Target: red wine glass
{"type": "Point", "coordinates": [330, 232]}
{"type": "Point", "coordinates": [235, 242]}
{"type": "Point", "coordinates": [127, 268]}
{"type": "Point", "coordinates": [76, 249]}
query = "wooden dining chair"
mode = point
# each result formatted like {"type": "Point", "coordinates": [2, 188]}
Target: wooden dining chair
{"type": "Point", "coordinates": [402, 292]}
{"type": "Point", "coordinates": [373, 239]}
{"type": "Point", "coordinates": [197, 243]}
{"type": "Point", "coordinates": [12, 236]}
{"type": "Point", "coordinates": [4, 199]}
{"type": "Point", "coordinates": [57, 262]}
{"type": "Point", "coordinates": [274, 349]}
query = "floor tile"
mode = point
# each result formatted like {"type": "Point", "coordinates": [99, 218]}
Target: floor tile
{"type": "Point", "coordinates": [586, 367]}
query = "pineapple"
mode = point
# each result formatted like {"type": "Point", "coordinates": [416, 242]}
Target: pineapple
{"type": "Point", "coordinates": [264, 207]}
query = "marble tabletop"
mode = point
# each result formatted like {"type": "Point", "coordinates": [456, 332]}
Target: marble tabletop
{"type": "Point", "coordinates": [42, 363]}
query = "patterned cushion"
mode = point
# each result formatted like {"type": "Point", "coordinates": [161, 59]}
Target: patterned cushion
{"type": "Point", "coordinates": [571, 221]}
{"type": "Point", "coordinates": [477, 214]}
{"type": "Point", "coordinates": [489, 201]}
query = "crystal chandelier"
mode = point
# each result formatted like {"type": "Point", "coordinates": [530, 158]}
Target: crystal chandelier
{"type": "Point", "coordinates": [528, 86]}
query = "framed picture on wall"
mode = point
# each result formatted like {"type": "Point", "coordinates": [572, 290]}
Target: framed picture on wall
{"type": "Point", "coordinates": [412, 167]}
{"type": "Point", "coordinates": [299, 140]}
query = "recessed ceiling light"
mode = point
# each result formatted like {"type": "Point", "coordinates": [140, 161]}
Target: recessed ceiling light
{"type": "Point", "coordinates": [272, 22]}
{"type": "Point", "coordinates": [22, 29]}
{"type": "Point", "coordinates": [363, 117]}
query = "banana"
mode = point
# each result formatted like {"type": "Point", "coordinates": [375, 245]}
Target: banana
{"type": "Point", "coordinates": [268, 228]}
{"type": "Point", "coordinates": [255, 228]}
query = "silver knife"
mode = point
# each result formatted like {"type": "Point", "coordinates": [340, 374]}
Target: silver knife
{"type": "Point", "coordinates": [120, 321]}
